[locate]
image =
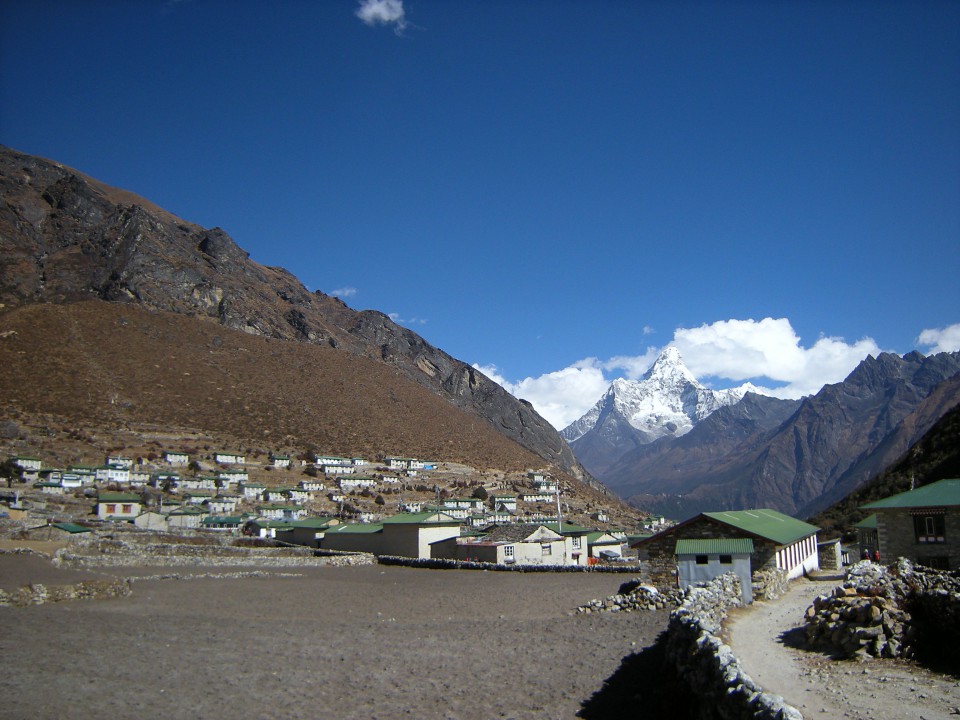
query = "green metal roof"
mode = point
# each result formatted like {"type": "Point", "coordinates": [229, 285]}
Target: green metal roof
{"type": "Point", "coordinates": [313, 522]}
{"type": "Point", "coordinates": [868, 523]}
{"type": "Point", "coordinates": [943, 493]}
{"type": "Point", "coordinates": [422, 518]}
{"type": "Point", "coordinates": [770, 524]}
{"type": "Point", "coordinates": [355, 528]}
{"type": "Point", "coordinates": [71, 528]}
{"type": "Point", "coordinates": [117, 498]}
{"type": "Point", "coordinates": [714, 546]}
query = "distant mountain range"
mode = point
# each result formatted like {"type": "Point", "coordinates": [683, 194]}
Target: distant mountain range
{"type": "Point", "coordinates": [715, 452]}
{"type": "Point", "coordinates": [67, 238]}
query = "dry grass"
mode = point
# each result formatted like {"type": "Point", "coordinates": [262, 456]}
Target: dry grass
{"type": "Point", "coordinates": [94, 367]}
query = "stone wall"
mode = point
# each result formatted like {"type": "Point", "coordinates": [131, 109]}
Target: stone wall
{"type": "Point", "coordinates": [446, 564]}
{"type": "Point", "coordinates": [898, 539]}
{"type": "Point", "coordinates": [128, 552]}
{"type": "Point", "coordinates": [38, 594]}
{"type": "Point", "coordinates": [708, 667]}
{"type": "Point", "coordinates": [888, 612]}
{"type": "Point", "coordinates": [770, 584]}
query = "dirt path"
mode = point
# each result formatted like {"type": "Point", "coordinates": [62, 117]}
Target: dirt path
{"type": "Point", "coordinates": [764, 636]}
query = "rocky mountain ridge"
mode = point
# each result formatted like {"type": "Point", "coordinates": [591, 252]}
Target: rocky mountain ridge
{"type": "Point", "coordinates": [793, 456]}
{"type": "Point", "coordinates": [65, 237]}
{"type": "Point", "coordinates": [667, 402]}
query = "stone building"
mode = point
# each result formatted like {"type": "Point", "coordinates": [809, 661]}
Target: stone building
{"type": "Point", "coordinates": [777, 541]}
{"type": "Point", "coordinates": [922, 525]}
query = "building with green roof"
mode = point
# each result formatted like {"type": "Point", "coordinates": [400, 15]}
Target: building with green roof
{"type": "Point", "coordinates": [405, 534]}
{"type": "Point", "coordinates": [118, 506]}
{"type": "Point", "coordinates": [922, 525]}
{"type": "Point", "coordinates": [776, 541]}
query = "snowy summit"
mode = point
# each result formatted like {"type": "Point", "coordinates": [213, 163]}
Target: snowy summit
{"type": "Point", "coordinates": [668, 400]}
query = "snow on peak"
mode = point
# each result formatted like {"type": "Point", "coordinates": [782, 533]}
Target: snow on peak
{"type": "Point", "coordinates": [668, 400]}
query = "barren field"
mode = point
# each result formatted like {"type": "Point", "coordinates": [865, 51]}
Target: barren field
{"type": "Point", "coordinates": [352, 642]}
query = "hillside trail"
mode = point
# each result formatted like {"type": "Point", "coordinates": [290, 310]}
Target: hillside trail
{"type": "Point", "coordinates": [767, 636]}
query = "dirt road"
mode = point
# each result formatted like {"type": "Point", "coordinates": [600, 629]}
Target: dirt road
{"type": "Point", "coordinates": [765, 637]}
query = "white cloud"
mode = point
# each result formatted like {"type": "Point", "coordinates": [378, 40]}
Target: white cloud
{"type": "Point", "coordinates": [561, 396]}
{"type": "Point", "coordinates": [633, 366]}
{"type": "Point", "coordinates": [731, 350]}
{"type": "Point", "coordinates": [938, 340]}
{"type": "Point", "coordinates": [344, 292]}
{"type": "Point", "coordinates": [738, 350]}
{"type": "Point", "coordinates": [406, 321]}
{"type": "Point", "coordinates": [383, 12]}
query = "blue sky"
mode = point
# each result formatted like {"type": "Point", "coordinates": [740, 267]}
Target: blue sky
{"type": "Point", "coordinates": [552, 191]}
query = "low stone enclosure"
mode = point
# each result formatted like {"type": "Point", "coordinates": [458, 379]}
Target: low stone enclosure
{"type": "Point", "coordinates": [137, 549]}
{"type": "Point", "coordinates": [895, 611]}
{"type": "Point", "coordinates": [444, 564]}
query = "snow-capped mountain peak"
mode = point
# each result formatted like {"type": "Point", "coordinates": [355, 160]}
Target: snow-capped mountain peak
{"type": "Point", "coordinates": [668, 400]}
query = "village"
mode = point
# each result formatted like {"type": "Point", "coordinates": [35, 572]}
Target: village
{"type": "Point", "coordinates": [124, 518]}
{"type": "Point", "coordinates": [413, 508]}
{"type": "Point", "coordinates": [396, 506]}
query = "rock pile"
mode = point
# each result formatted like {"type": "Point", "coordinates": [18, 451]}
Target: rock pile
{"type": "Point", "coordinates": [857, 625]}
{"type": "Point", "coordinates": [633, 595]}
{"type": "Point", "coordinates": [872, 613]}
{"type": "Point", "coordinates": [38, 594]}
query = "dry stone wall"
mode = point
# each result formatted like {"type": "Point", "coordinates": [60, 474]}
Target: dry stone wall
{"type": "Point", "coordinates": [705, 664]}
{"type": "Point", "coordinates": [872, 614]}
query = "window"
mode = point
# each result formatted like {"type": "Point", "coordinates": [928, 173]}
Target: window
{"type": "Point", "coordinates": [508, 552]}
{"type": "Point", "coordinates": [701, 559]}
{"type": "Point", "coordinates": [929, 528]}
{"type": "Point", "coordinates": [938, 562]}
{"type": "Point", "coordinates": [111, 509]}
{"type": "Point", "coordinates": [127, 509]}
{"type": "Point", "coordinates": [576, 543]}
{"type": "Point", "coordinates": [726, 559]}
{"type": "Point", "coordinates": [546, 549]}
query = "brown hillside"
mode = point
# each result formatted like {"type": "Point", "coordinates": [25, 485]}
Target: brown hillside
{"type": "Point", "coordinates": [66, 238]}
{"type": "Point", "coordinates": [97, 364]}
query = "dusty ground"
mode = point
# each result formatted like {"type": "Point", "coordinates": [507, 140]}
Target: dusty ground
{"type": "Point", "coordinates": [765, 638]}
{"type": "Point", "coordinates": [358, 642]}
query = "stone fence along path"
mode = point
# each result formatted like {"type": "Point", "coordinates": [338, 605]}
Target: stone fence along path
{"type": "Point", "coordinates": [767, 637]}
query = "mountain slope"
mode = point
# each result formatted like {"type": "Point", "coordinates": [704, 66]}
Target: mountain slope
{"type": "Point", "coordinates": [936, 456]}
{"type": "Point", "coordinates": [65, 237]}
{"type": "Point", "coordinates": [93, 367]}
{"type": "Point", "coordinates": [667, 402]}
{"type": "Point", "coordinates": [832, 442]}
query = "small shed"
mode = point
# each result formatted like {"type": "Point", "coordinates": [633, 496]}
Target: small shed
{"type": "Point", "coordinates": [703, 559]}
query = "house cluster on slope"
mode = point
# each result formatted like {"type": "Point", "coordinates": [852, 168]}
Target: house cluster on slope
{"type": "Point", "coordinates": [489, 528]}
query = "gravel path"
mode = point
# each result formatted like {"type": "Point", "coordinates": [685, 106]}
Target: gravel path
{"type": "Point", "coordinates": [767, 639]}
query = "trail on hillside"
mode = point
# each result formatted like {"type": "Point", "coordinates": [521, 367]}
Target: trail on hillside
{"type": "Point", "coordinates": [767, 636]}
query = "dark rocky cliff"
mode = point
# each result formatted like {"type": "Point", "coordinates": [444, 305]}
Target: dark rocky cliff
{"type": "Point", "coordinates": [65, 237]}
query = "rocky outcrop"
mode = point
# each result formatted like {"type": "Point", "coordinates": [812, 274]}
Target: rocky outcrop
{"type": "Point", "coordinates": [65, 237]}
